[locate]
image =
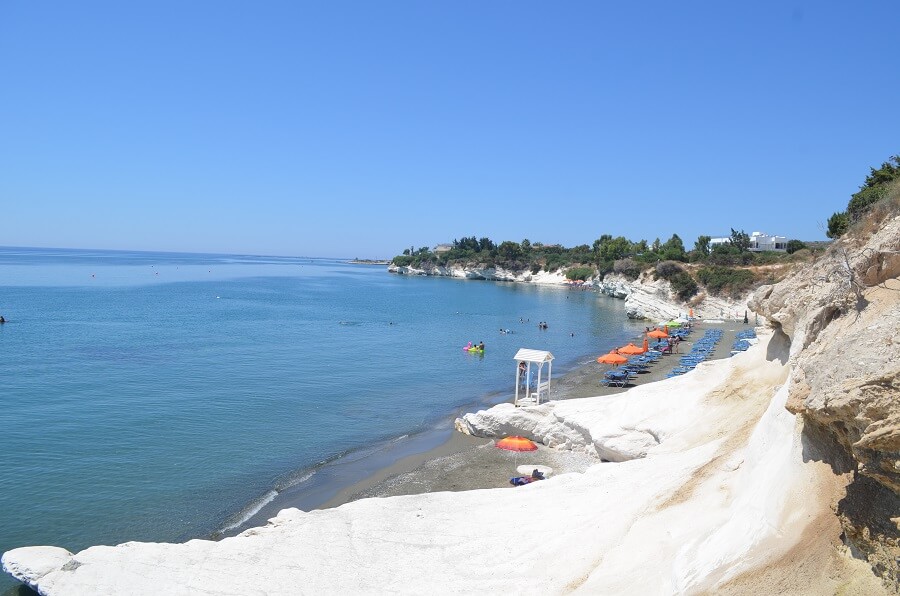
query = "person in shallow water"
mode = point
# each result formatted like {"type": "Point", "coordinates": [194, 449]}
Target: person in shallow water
{"type": "Point", "coordinates": [481, 345]}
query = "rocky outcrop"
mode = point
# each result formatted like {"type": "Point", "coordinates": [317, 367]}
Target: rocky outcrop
{"type": "Point", "coordinates": [842, 316]}
{"type": "Point", "coordinates": [653, 300]}
{"type": "Point", "coordinates": [484, 273]}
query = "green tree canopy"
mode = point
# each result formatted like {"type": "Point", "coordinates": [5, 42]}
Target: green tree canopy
{"type": "Point", "coordinates": [838, 224]}
{"type": "Point", "coordinates": [794, 245]}
{"type": "Point", "coordinates": [740, 240]}
{"type": "Point", "coordinates": [673, 249]}
{"type": "Point", "coordinates": [702, 245]}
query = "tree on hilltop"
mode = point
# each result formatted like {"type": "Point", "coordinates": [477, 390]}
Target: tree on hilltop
{"type": "Point", "coordinates": [702, 245]}
{"type": "Point", "coordinates": [740, 240]}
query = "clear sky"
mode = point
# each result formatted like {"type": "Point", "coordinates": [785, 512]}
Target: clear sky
{"type": "Point", "coordinates": [359, 128]}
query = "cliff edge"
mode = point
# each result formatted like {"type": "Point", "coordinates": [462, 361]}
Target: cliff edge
{"type": "Point", "coordinates": [842, 316]}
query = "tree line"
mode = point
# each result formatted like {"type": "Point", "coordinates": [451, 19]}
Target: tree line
{"type": "Point", "coordinates": [606, 254]}
{"type": "Point", "coordinates": [723, 268]}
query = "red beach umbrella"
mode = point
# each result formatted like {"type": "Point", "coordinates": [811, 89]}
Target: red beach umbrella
{"type": "Point", "coordinates": [516, 444]}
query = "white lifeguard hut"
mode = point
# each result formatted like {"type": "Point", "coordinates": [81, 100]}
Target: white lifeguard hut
{"type": "Point", "coordinates": [531, 387]}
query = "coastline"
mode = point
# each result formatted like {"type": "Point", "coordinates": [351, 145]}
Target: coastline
{"type": "Point", "coordinates": [418, 457]}
{"type": "Point", "coordinates": [339, 480]}
{"type": "Point", "coordinates": [464, 462]}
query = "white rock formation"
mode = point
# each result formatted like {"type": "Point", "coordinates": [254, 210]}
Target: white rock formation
{"type": "Point", "coordinates": [486, 273]}
{"type": "Point", "coordinates": [645, 297]}
{"type": "Point", "coordinates": [653, 300]}
{"type": "Point", "coordinates": [710, 490]}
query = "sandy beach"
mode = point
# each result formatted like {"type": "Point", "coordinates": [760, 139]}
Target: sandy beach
{"type": "Point", "coordinates": [468, 463]}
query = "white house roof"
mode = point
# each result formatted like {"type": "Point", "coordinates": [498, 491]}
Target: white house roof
{"type": "Point", "coordinates": [527, 355]}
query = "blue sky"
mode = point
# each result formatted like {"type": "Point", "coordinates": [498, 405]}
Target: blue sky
{"type": "Point", "coordinates": [360, 128]}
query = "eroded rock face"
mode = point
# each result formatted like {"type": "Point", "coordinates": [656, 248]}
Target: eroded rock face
{"type": "Point", "coordinates": [843, 317]}
{"type": "Point", "coordinates": [484, 273]}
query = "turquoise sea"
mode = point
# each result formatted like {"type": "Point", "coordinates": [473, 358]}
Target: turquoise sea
{"type": "Point", "coordinates": [166, 396]}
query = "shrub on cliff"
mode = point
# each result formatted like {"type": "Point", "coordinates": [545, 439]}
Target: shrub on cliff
{"type": "Point", "coordinates": [668, 269]}
{"type": "Point", "coordinates": [681, 281]}
{"type": "Point", "coordinates": [728, 254]}
{"type": "Point", "coordinates": [627, 268]}
{"type": "Point", "coordinates": [794, 245]}
{"type": "Point", "coordinates": [881, 189]}
{"type": "Point", "coordinates": [838, 224]}
{"type": "Point", "coordinates": [581, 273]}
{"type": "Point", "coordinates": [725, 281]}
{"type": "Point", "coordinates": [683, 285]}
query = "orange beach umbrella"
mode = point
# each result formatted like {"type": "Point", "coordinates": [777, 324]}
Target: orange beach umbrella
{"type": "Point", "coordinates": [612, 358]}
{"type": "Point", "coordinates": [516, 444]}
{"type": "Point", "coordinates": [631, 349]}
{"type": "Point", "coordinates": [657, 334]}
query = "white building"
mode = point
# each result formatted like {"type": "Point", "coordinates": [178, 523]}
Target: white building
{"type": "Point", "coordinates": [759, 242]}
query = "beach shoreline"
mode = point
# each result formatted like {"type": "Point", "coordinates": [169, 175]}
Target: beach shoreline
{"type": "Point", "coordinates": [463, 462]}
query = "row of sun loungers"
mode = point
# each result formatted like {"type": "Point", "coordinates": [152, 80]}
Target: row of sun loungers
{"type": "Point", "coordinates": [620, 376]}
{"type": "Point", "coordinates": [702, 350]}
{"type": "Point", "coordinates": [741, 342]}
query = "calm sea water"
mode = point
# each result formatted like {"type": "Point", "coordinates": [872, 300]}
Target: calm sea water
{"type": "Point", "coordinates": [161, 396]}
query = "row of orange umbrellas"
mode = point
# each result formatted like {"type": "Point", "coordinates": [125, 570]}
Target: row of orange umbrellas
{"type": "Point", "coordinates": [617, 356]}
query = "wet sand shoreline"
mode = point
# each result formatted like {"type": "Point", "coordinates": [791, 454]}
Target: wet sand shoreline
{"type": "Point", "coordinates": [468, 463]}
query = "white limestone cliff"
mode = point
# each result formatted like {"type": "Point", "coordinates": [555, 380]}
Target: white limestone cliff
{"type": "Point", "coordinates": [557, 277]}
{"type": "Point", "coordinates": [645, 298]}
{"type": "Point", "coordinates": [653, 300]}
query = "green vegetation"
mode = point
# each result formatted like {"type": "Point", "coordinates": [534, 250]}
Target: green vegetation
{"type": "Point", "coordinates": [881, 190]}
{"type": "Point", "coordinates": [581, 273]}
{"type": "Point", "coordinates": [726, 281]}
{"type": "Point", "coordinates": [722, 268]}
{"type": "Point", "coordinates": [794, 245]}
{"type": "Point", "coordinates": [681, 281]}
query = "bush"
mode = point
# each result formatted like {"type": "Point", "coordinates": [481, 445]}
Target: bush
{"type": "Point", "coordinates": [554, 262]}
{"type": "Point", "coordinates": [581, 273]}
{"type": "Point", "coordinates": [724, 281]}
{"type": "Point", "coordinates": [683, 285]}
{"type": "Point", "coordinates": [794, 245]}
{"type": "Point", "coordinates": [769, 257]}
{"type": "Point", "coordinates": [668, 270]}
{"type": "Point", "coordinates": [627, 268]}
{"type": "Point", "coordinates": [726, 254]}
{"type": "Point", "coordinates": [604, 267]}
{"type": "Point", "coordinates": [838, 224]}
